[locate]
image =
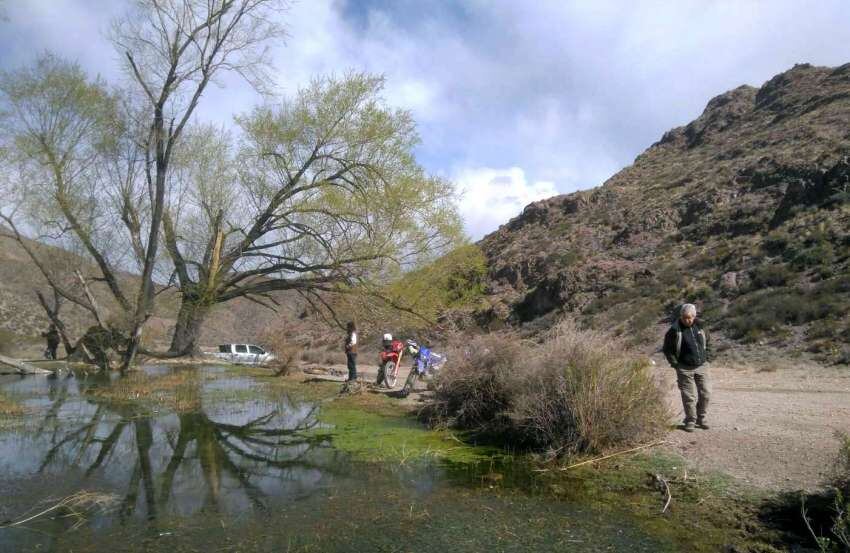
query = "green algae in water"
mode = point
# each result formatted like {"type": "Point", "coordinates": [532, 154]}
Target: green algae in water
{"type": "Point", "coordinates": [276, 472]}
{"type": "Point", "coordinates": [373, 437]}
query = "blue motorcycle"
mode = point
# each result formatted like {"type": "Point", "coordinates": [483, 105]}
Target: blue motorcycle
{"type": "Point", "coordinates": [425, 361]}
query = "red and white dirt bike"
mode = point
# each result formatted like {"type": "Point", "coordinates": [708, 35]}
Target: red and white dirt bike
{"type": "Point", "coordinates": [391, 355]}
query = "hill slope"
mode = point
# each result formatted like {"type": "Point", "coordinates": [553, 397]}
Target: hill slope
{"type": "Point", "coordinates": [745, 210]}
{"type": "Point", "coordinates": [22, 319]}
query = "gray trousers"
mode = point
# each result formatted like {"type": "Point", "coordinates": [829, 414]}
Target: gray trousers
{"type": "Point", "coordinates": [693, 383]}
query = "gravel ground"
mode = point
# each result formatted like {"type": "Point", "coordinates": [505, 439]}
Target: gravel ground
{"type": "Point", "coordinates": [773, 429]}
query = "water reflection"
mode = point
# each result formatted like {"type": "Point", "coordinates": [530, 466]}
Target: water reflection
{"type": "Point", "coordinates": [213, 468]}
{"type": "Point", "coordinates": [227, 457]}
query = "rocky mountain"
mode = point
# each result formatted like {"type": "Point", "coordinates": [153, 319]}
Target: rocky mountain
{"type": "Point", "coordinates": [745, 210]}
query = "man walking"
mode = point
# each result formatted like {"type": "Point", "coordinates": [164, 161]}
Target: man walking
{"type": "Point", "coordinates": [685, 347]}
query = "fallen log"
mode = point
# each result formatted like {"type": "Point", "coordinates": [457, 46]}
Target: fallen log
{"type": "Point", "coordinates": [14, 366]}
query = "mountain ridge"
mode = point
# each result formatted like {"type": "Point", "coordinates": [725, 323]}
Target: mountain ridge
{"type": "Point", "coordinates": [695, 215]}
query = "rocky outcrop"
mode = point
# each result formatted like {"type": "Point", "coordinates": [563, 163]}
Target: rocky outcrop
{"type": "Point", "coordinates": [690, 219]}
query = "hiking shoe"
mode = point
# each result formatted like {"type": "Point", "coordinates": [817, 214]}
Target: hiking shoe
{"type": "Point", "coordinates": [689, 426]}
{"type": "Point", "coordinates": [703, 425]}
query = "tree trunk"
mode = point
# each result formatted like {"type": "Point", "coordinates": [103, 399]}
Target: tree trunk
{"type": "Point", "coordinates": [19, 367]}
{"type": "Point", "coordinates": [188, 328]}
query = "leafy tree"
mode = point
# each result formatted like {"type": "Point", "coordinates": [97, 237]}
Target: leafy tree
{"type": "Point", "coordinates": [67, 142]}
{"type": "Point", "coordinates": [322, 195]}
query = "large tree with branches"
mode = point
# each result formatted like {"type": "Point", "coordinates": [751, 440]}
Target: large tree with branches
{"type": "Point", "coordinates": [322, 195]}
{"type": "Point", "coordinates": [65, 131]}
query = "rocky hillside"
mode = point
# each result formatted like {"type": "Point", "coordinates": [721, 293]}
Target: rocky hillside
{"type": "Point", "coordinates": [22, 319]}
{"type": "Point", "coordinates": [745, 210]}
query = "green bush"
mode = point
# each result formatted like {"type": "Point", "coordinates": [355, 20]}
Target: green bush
{"type": "Point", "coordinates": [775, 242]}
{"type": "Point", "coordinates": [822, 254]}
{"type": "Point", "coordinates": [770, 276]}
{"type": "Point", "coordinates": [834, 519]}
{"type": "Point", "coordinates": [580, 391]}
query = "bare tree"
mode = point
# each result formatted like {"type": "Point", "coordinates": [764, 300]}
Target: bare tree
{"type": "Point", "coordinates": [91, 162]}
{"type": "Point", "coordinates": [172, 51]}
{"type": "Point", "coordinates": [322, 196]}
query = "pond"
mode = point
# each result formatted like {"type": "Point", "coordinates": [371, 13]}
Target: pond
{"type": "Point", "coordinates": [205, 460]}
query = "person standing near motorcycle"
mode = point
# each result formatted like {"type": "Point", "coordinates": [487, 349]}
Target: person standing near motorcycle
{"type": "Point", "coordinates": [351, 350]}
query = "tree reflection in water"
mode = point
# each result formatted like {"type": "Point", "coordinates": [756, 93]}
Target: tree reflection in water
{"type": "Point", "coordinates": [242, 456]}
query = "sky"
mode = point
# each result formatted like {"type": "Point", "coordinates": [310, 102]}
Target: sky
{"type": "Point", "coordinates": [514, 101]}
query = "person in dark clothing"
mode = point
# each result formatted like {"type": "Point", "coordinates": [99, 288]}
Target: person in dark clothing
{"type": "Point", "coordinates": [351, 351]}
{"type": "Point", "coordinates": [686, 349]}
{"type": "Point", "coordinates": [52, 337]}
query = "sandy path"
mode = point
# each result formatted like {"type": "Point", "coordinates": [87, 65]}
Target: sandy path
{"type": "Point", "coordinates": [774, 430]}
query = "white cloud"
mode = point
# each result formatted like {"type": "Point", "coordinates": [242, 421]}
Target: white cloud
{"type": "Point", "coordinates": [568, 90]}
{"type": "Point", "coordinates": [490, 197]}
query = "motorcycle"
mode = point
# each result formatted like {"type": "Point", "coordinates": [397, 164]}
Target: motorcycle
{"type": "Point", "coordinates": [425, 362]}
{"type": "Point", "coordinates": [391, 355]}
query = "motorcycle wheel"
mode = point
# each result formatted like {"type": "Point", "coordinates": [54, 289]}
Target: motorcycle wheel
{"type": "Point", "coordinates": [408, 384]}
{"type": "Point", "coordinates": [390, 374]}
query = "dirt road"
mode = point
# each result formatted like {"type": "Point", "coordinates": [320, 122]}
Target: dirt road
{"type": "Point", "coordinates": [774, 430]}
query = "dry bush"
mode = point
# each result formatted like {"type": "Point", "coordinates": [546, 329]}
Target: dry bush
{"type": "Point", "coordinates": [580, 391]}
{"type": "Point", "coordinates": [285, 350]}
{"type": "Point", "coordinates": [585, 392]}
{"type": "Point", "coordinates": [7, 342]}
{"type": "Point", "coordinates": [476, 387]}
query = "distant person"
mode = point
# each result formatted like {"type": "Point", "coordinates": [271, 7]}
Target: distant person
{"type": "Point", "coordinates": [52, 337]}
{"type": "Point", "coordinates": [686, 348]}
{"type": "Point", "coordinates": [351, 351]}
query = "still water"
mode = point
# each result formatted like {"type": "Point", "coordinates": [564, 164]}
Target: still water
{"type": "Point", "coordinates": [223, 467]}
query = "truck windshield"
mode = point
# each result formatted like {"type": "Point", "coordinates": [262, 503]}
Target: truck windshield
{"type": "Point", "coordinates": [255, 349]}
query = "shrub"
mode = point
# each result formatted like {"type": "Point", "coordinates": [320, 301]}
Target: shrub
{"type": "Point", "coordinates": [580, 391]}
{"type": "Point", "coordinates": [7, 342]}
{"type": "Point", "coordinates": [775, 242]}
{"type": "Point", "coordinates": [769, 276]}
{"type": "Point", "coordinates": [585, 392]}
{"type": "Point", "coordinates": [832, 507]}
{"type": "Point", "coordinates": [285, 351]}
{"type": "Point", "coordinates": [764, 312]}
{"type": "Point", "coordinates": [475, 389]}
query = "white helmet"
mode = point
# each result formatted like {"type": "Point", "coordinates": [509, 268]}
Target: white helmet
{"type": "Point", "coordinates": [388, 337]}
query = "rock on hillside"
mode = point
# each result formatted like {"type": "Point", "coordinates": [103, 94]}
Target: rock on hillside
{"type": "Point", "coordinates": [745, 210]}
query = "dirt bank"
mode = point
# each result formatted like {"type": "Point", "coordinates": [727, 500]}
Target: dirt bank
{"type": "Point", "coordinates": [774, 429]}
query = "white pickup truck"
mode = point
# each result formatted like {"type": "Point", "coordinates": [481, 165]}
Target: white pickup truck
{"type": "Point", "coordinates": [244, 354]}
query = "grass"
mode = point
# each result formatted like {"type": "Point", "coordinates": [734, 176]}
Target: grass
{"type": "Point", "coordinates": [372, 427]}
{"type": "Point", "coordinates": [9, 407]}
{"type": "Point", "coordinates": [708, 512]}
{"type": "Point", "coordinates": [178, 391]}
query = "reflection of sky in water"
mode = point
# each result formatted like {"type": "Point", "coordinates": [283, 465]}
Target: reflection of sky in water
{"type": "Point", "coordinates": [230, 457]}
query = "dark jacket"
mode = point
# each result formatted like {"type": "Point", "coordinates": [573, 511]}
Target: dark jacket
{"type": "Point", "coordinates": [52, 337]}
{"type": "Point", "coordinates": [685, 346]}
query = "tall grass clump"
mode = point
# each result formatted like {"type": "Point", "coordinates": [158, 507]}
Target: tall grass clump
{"type": "Point", "coordinates": [578, 391]}
{"type": "Point", "coordinates": [827, 515]}
{"type": "Point", "coordinates": [476, 390]}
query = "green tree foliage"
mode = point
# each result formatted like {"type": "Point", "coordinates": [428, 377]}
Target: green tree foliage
{"type": "Point", "coordinates": [322, 195]}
